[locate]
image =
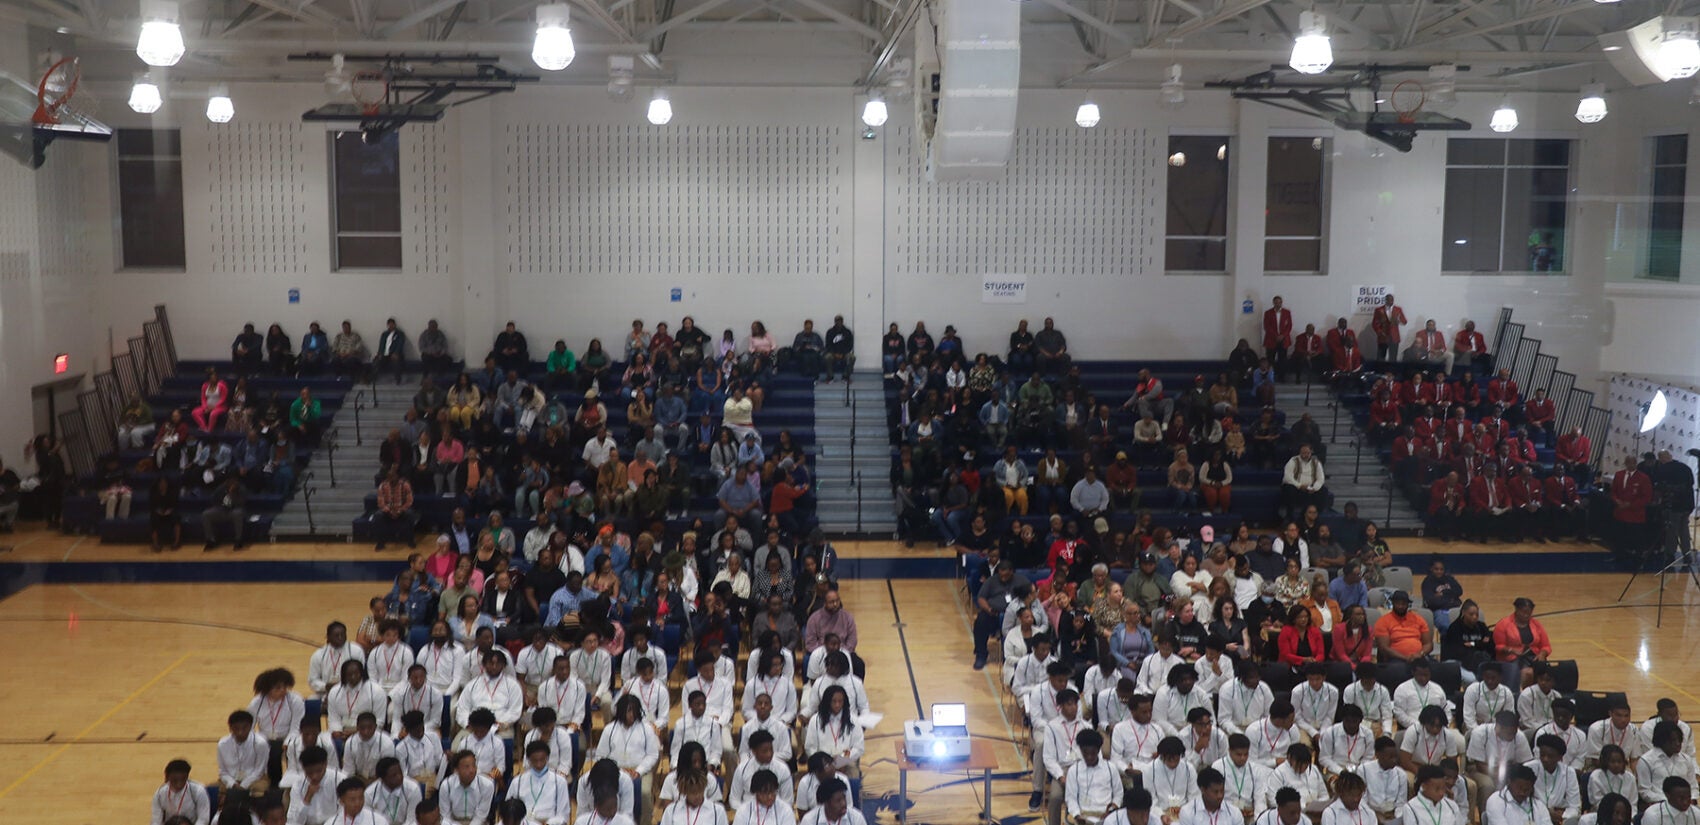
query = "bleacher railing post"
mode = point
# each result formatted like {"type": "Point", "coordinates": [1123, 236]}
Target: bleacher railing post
{"type": "Point", "coordinates": [1357, 458]}
{"type": "Point", "coordinates": [359, 440]}
{"type": "Point", "coordinates": [330, 452]}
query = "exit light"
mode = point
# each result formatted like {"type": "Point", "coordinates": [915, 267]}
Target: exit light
{"type": "Point", "coordinates": [61, 363]}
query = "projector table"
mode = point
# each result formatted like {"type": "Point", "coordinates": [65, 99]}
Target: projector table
{"type": "Point", "coordinates": [981, 757]}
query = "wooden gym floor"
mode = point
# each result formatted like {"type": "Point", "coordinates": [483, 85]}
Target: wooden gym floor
{"type": "Point", "coordinates": [105, 683]}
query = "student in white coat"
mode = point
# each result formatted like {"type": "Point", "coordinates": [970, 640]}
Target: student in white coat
{"type": "Point", "coordinates": [494, 690]}
{"type": "Point", "coordinates": [1416, 693]}
{"type": "Point", "coordinates": [242, 756]}
{"type": "Point", "coordinates": [773, 680]}
{"type": "Point", "coordinates": [442, 659]}
{"type": "Point", "coordinates": [1316, 701]}
{"type": "Point", "coordinates": [1613, 776]}
{"type": "Point", "coordinates": [1372, 696]}
{"type": "Point", "coordinates": [1299, 773]}
{"type": "Point", "coordinates": [1348, 807]}
{"type": "Point", "coordinates": [833, 807]}
{"type": "Point", "coordinates": [1486, 698]}
{"type": "Point", "coordinates": [1492, 750]}
{"type": "Point", "coordinates": [1135, 808]}
{"type": "Point", "coordinates": [1677, 807]}
{"type": "Point", "coordinates": [1388, 786]}
{"type": "Point", "coordinates": [834, 732]}
{"type": "Point", "coordinates": [1273, 734]}
{"type": "Point", "coordinates": [1248, 786]}
{"type": "Point", "coordinates": [692, 807]}
{"type": "Point", "coordinates": [820, 771]}
{"type": "Point", "coordinates": [362, 751]}
{"type": "Point", "coordinates": [1563, 726]}
{"type": "Point", "coordinates": [421, 756]}
{"type": "Point", "coordinates": [465, 796]}
{"type": "Point", "coordinates": [1534, 704]}
{"type": "Point", "coordinates": [602, 807]}
{"type": "Point", "coordinates": [1244, 700]}
{"type": "Point", "coordinates": [313, 799]}
{"type": "Point", "coordinates": [1617, 729]}
{"type": "Point", "coordinates": [545, 792]}
{"type": "Point", "coordinates": [390, 659]}
{"type": "Point", "coordinates": [277, 710]}
{"type": "Point", "coordinates": [351, 801]}
{"type": "Point", "coordinates": [652, 694]}
{"type": "Point", "coordinates": [536, 662]}
{"type": "Point", "coordinates": [691, 758]}
{"type": "Point", "coordinates": [1177, 698]}
{"type": "Point", "coordinates": [1669, 712]}
{"type": "Point", "coordinates": [761, 758]}
{"type": "Point", "coordinates": [761, 717]}
{"type": "Point", "coordinates": [1514, 804]}
{"type": "Point", "coordinates": [1556, 790]}
{"type": "Point", "coordinates": [1431, 805]}
{"type": "Point", "coordinates": [1347, 744]}
{"type": "Point", "coordinates": [324, 667]}
{"type": "Point", "coordinates": [180, 796]}
{"type": "Point", "coordinates": [1664, 759]}
{"type": "Point", "coordinates": [394, 796]}
{"type": "Point", "coordinates": [1288, 808]}
{"type": "Point", "coordinates": [1092, 785]}
{"type": "Point", "coordinates": [1429, 740]}
{"type": "Point", "coordinates": [1210, 806]}
{"type": "Point", "coordinates": [1173, 782]}
{"type": "Point", "coordinates": [611, 792]}
{"type": "Point", "coordinates": [353, 695]}
{"type": "Point", "coordinates": [632, 744]}
{"type": "Point", "coordinates": [1134, 741]}
{"type": "Point", "coordinates": [763, 808]}
{"type": "Point", "coordinates": [416, 694]}
{"type": "Point", "coordinates": [697, 725]}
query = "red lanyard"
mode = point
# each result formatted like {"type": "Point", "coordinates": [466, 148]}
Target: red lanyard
{"type": "Point", "coordinates": [389, 658]}
{"type": "Point", "coordinates": [275, 711]}
{"type": "Point", "coordinates": [351, 695]}
{"type": "Point", "coordinates": [1428, 750]}
{"type": "Point", "coordinates": [692, 816]}
{"type": "Point", "coordinates": [1139, 738]}
{"type": "Point", "coordinates": [1351, 753]}
{"type": "Point", "coordinates": [182, 797]}
{"type": "Point", "coordinates": [491, 686]}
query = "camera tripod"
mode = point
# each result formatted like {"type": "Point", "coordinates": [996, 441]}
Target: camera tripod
{"type": "Point", "coordinates": [1688, 562]}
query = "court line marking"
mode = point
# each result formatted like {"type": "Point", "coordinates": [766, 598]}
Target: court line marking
{"type": "Point", "coordinates": [903, 640]}
{"type": "Point", "coordinates": [72, 548]}
{"type": "Point", "coordinates": [1656, 677]}
{"type": "Point", "coordinates": [113, 711]}
{"type": "Point", "coordinates": [991, 684]}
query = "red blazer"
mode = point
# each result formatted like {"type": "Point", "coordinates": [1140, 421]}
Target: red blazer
{"type": "Point", "coordinates": [1337, 340]}
{"type": "Point", "coordinates": [1348, 360]}
{"type": "Point", "coordinates": [1345, 649]}
{"type": "Point", "coordinates": [1479, 500]}
{"type": "Point", "coordinates": [1472, 342]}
{"type": "Point", "coordinates": [1540, 411]}
{"type": "Point", "coordinates": [1277, 327]}
{"type": "Point", "coordinates": [1308, 344]}
{"type": "Point", "coordinates": [1427, 341]}
{"type": "Point", "coordinates": [1484, 443]}
{"type": "Point", "coordinates": [1503, 392]}
{"type": "Point", "coordinates": [1522, 449]}
{"type": "Point", "coordinates": [1437, 495]}
{"type": "Point", "coordinates": [1288, 642]}
{"type": "Point", "coordinates": [1509, 642]}
{"type": "Point", "coordinates": [1384, 411]}
{"type": "Point", "coordinates": [1414, 447]}
{"type": "Point", "coordinates": [1467, 393]}
{"type": "Point", "coordinates": [1574, 449]}
{"type": "Point", "coordinates": [1426, 427]}
{"type": "Point", "coordinates": [1422, 394]}
{"type": "Point", "coordinates": [1561, 491]}
{"type": "Point", "coordinates": [1456, 429]}
{"type": "Point", "coordinates": [1525, 491]}
{"type": "Point", "coordinates": [1386, 323]}
{"type": "Point", "coordinates": [1636, 491]}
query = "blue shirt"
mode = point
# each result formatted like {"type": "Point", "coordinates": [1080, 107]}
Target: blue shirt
{"type": "Point", "coordinates": [620, 558]}
{"type": "Point", "coordinates": [737, 496]}
{"type": "Point", "coordinates": [561, 604]}
{"type": "Point", "coordinates": [1349, 594]}
{"type": "Point", "coordinates": [670, 411]}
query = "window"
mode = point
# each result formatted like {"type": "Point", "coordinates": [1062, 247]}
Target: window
{"type": "Point", "coordinates": [1196, 234]}
{"type": "Point", "coordinates": [1664, 212]}
{"type": "Point", "coordinates": [366, 204]}
{"type": "Point", "coordinates": [150, 198]}
{"type": "Point", "coordinates": [1507, 205]}
{"type": "Point", "coordinates": [1293, 205]}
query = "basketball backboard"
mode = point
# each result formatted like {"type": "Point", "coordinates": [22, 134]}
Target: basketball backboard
{"type": "Point", "coordinates": [26, 140]}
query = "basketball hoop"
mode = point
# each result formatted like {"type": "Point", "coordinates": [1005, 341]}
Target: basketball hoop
{"type": "Point", "coordinates": [57, 87]}
{"type": "Point", "coordinates": [1407, 100]}
{"type": "Point", "coordinates": [371, 89]}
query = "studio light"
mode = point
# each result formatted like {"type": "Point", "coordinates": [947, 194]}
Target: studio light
{"type": "Point", "coordinates": [1087, 115]}
{"type": "Point", "coordinates": [220, 109]}
{"type": "Point", "coordinates": [1654, 411]}
{"type": "Point", "coordinates": [161, 41]}
{"type": "Point", "coordinates": [553, 49]}
{"type": "Point", "coordinates": [660, 109]}
{"type": "Point", "coordinates": [1312, 52]}
{"type": "Point", "coordinates": [874, 112]}
{"type": "Point", "coordinates": [144, 96]}
{"type": "Point", "coordinates": [1592, 107]}
{"type": "Point", "coordinates": [1504, 118]}
{"type": "Point", "coordinates": [1173, 92]}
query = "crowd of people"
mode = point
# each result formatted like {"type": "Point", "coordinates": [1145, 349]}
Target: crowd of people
{"type": "Point", "coordinates": [474, 694]}
{"type": "Point", "coordinates": [1274, 700]}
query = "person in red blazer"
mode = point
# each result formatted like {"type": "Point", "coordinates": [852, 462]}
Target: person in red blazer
{"type": "Point", "coordinates": [1489, 504]}
{"type": "Point", "coordinates": [1428, 425]}
{"type": "Point", "coordinates": [1528, 500]}
{"type": "Point", "coordinates": [1565, 512]}
{"type": "Point", "coordinates": [1389, 317]}
{"type": "Point", "coordinates": [1409, 450]}
{"type": "Point", "coordinates": [1300, 642]}
{"type": "Point", "coordinates": [1539, 411]}
{"type": "Point", "coordinates": [1575, 451]}
{"type": "Point", "coordinates": [1467, 346]}
{"type": "Point", "coordinates": [1502, 390]}
{"type": "Point", "coordinates": [1307, 354]}
{"type": "Point", "coordinates": [1277, 334]}
{"type": "Point", "coordinates": [1631, 492]}
{"type": "Point", "coordinates": [1383, 418]}
{"type": "Point", "coordinates": [1446, 506]}
{"type": "Point", "coordinates": [1467, 394]}
{"type": "Point", "coordinates": [1340, 336]}
{"type": "Point", "coordinates": [1509, 634]}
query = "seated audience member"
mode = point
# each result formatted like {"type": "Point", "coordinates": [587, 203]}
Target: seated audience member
{"type": "Point", "coordinates": [392, 350]}
{"type": "Point", "coordinates": [348, 352]}
{"type": "Point", "coordinates": [396, 518]}
{"type": "Point", "coordinates": [1402, 634]}
{"type": "Point", "coordinates": [510, 350]}
{"type": "Point", "coordinates": [1302, 483]}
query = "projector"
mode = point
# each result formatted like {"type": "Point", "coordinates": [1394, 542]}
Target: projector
{"type": "Point", "coordinates": [942, 738]}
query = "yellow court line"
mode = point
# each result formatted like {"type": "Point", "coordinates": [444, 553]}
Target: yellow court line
{"type": "Point", "coordinates": [48, 759]}
{"type": "Point", "coordinates": [1661, 680]}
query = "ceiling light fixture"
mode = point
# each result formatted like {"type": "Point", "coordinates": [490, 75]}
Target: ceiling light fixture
{"type": "Point", "coordinates": [1087, 115]}
{"type": "Point", "coordinates": [1505, 117]}
{"type": "Point", "coordinates": [1592, 107]}
{"type": "Point", "coordinates": [1312, 51]}
{"type": "Point", "coordinates": [1174, 91]}
{"type": "Point", "coordinates": [220, 109]}
{"type": "Point", "coordinates": [1177, 159]}
{"type": "Point", "coordinates": [144, 96]}
{"type": "Point", "coordinates": [553, 49]}
{"type": "Point", "coordinates": [1679, 48]}
{"type": "Point", "coordinates": [660, 109]}
{"type": "Point", "coordinates": [874, 112]}
{"type": "Point", "coordinates": [161, 41]}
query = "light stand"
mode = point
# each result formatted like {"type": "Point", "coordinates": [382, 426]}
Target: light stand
{"type": "Point", "coordinates": [1688, 562]}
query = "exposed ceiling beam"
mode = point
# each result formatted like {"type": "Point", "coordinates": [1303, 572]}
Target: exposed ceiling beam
{"type": "Point", "coordinates": [1108, 29]}
{"type": "Point", "coordinates": [304, 11]}
{"type": "Point", "coordinates": [680, 19]}
{"type": "Point", "coordinates": [595, 11]}
{"type": "Point", "coordinates": [842, 19]}
{"type": "Point", "coordinates": [1279, 56]}
{"type": "Point", "coordinates": [1411, 27]}
{"type": "Point", "coordinates": [423, 14]}
{"type": "Point", "coordinates": [896, 27]}
{"type": "Point", "coordinates": [1226, 13]}
{"type": "Point", "coordinates": [1534, 17]}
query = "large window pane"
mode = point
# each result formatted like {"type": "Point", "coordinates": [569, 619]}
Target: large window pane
{"type": "Point", "coordinates": [1664, 213]}
{"type": "Point", "coordinates": [367, 199]}
{"type": "Point", "coordinates": [1294, 205]}
{"type": "Point", "coordinates": [1197, 224]}
{"type": "Point", "coordinates": [150, 198]}
{"type": "Point", "coordinates": [1475, 152]}
{"type": "Point", "coordinates": [1534, 219]}
{"type": "Point", "coordinates": [1474, 201]}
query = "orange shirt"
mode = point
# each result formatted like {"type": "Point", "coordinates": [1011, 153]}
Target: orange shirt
{"type": "Point", "coordinates": [1404, 637]}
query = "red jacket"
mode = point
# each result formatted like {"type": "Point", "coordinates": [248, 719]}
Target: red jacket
{"type": "Point", "coordinates": [1383, 412]}
{"type": "Point", "coordinates": [1561, 491]}
{"type": "Point", "coordinates": [1348, 360]}
{"type": "Point", "coordinates": [1288, 643]}
{"type": "Point", "coordinates": [1386, 323]}
{"type": "Point", "coordinates": [1509, 642]}
{"type": "Point", "coordinates": [1428, 341]}
{"type": "Point", "coordinates": [1503, 392]}
{"type": "Point", "coordinates": [1574, 449]}
{"type": "Point", "coordinates": [1631, 492]}
{"type": "Point", "coordinates": [1308, 345]}
{"type": "Point", "coordinates": [1525, 490]}
{"type": "Point", "coordinates": [1522, 449]}
{"type": "Point", "coordinates": [1407, 448]}
{"type": "Point", "coordinates": [1495, 426]}
{"type": "Point", "coordinates": [1467, 393]}
{"type": "Point", "coordinates": [1437, 494]}
{"type": "Point", "coordinates": [1484, 443]}
{"type": "Point", "coordinates": [1471, 342]}
{"type": "Point", "coordinates": [1422, 394]}
{"type": "Point", "coordinates": [1481, 501]}
{"type": "Point", "coordinates": [1277, 327]}
{"type": "Point", "coordinates": [1426, 426]}
{"type": "Point", "coordinates": [1337, 340]}
{"type": "Point", "coordinates": [1540, 411]}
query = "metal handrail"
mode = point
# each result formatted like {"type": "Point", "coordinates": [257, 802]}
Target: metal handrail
{"type": "Point", "coordinates": [1390, 486]}
{"type": "Point", "coordinates": [857, 480]}
{"type": "Point", "coordinates": [330, 445]}
{"type": "Point", "coordinates": [1357, 457]}
{"type": "Point", "coordinates": [358, 396]}
{"type": "Point", "coordinates": [307, 492]}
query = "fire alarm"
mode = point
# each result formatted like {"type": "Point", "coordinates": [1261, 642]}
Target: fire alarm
{"type": "Point", "coordinates": [61, 363]}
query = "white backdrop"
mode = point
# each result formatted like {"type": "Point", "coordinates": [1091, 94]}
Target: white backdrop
{"type": "Point", "coordinates": [1678, 432]}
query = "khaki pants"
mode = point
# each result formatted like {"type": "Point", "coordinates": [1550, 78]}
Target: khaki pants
{"type": "Point", "coordinates": [1015, 499]}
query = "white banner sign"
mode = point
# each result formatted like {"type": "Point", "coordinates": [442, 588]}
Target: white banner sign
{"type": "Point", "coordinates": [1003, 289]}
{"type": "Point", "coordinates": [1366, 298]}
